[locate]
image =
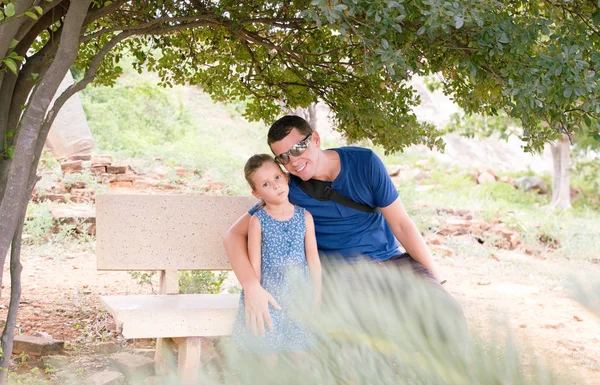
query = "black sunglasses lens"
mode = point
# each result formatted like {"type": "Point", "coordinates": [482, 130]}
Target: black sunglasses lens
{"type": "Point", "coordinates": [283, 159]}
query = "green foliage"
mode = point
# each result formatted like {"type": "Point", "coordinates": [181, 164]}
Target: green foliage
{"type": "Point", "coordinates": [38, 223]}
{"type": "Point", "coordinates": [137, 118]}
{"type": "Point", "coordinates": [143, 278]}
{"type": "Point", "coordinates": [190, 282]}
{"type": "Point", "coordinates": [535, 60]}
{"type": "Point", "coordinates": [69, 179]}
{"type": "Point", "coordinates": [201, 282]}
{"type": "Point", "coordinates": [209, 137]}
{"type": "Point", "coordinates": [482, 126]}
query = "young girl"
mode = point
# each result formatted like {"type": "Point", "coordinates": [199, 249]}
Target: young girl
{"type": "Point", "coordinates": [283, 252]}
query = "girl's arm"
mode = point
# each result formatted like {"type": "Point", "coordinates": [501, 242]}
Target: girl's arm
{"type": "Point", "coordinates": [312, 257]}
{"type": "Point", "coordinates": [254, 244]}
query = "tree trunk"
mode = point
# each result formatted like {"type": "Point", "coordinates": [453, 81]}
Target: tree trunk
{"type": "Point", "coordinates": [15, 298]}
{"type": "Point", "coordinates": [309, 114]}
{"type": "Point", "coordinates": [14, 201]}
{"type": "Point", "coordinates": [561, 175]}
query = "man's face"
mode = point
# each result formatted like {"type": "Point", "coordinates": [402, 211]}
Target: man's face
{"type": "Point", "coordinates": [300, 164]}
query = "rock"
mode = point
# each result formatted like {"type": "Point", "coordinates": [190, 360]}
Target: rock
{"type": "Point", "coordinates": [487, 170]}
{"type": "Point", "coordinates": [101, 160]}
{"type": "Point", "coordinates": [159, 171]}
{"type": "Point", "coordinates": [116, 169]}
{"type": "Point", "coordinates": [527, 183]}
{"type": "Point", "coordinates": [80, 157]}
{"type": "Point", "coordinates": [105, 178]}
{"type": "Point", "coordinates": [577, 318]}
{"type": "Point", "coordinates": [485, 177]}
{"type": "Point", "coordinates": [80, 195]}
{"type": "Point", "coordinates": [107, 348]}
{"type": "Point", "coordinates": [126, 177]}
{"type": "Point", "coordinates": [60, 198]}
{"type": "Point", "coordinates": [42, 334]}
{"type": "Point", "coordinates": [70, 167]}
{"type": "Point", "coordinates": [142, 184]}
{"type": "Point", "coordinates": [53, 363]}
{"type": "Point", "coordinates": [121, 184]}
{"type": "Point", "coordinates": [37, 346]}
{"type": "Point", "coordinates": [145, 352]}
{"type": "Point", "coordinates": [507, 179]}
{"type": "Point", "coordinates": [98, 170]}
{"type": "Point", "coordinates": [133, 366]}
{"type": "Point", "coordinates": [106, 378]}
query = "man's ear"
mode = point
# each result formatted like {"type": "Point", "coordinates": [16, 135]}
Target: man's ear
{"type": "Point", "coordinates": [316, 138]}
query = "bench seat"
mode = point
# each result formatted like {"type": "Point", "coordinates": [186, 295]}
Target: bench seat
{"type": "Point", "coordinates": [170, 316]}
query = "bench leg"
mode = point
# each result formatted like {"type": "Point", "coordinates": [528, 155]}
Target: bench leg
{"type": "Point", "coordinates": [164, 358]}
{"type": "Point", "coordinates": [189, 359]}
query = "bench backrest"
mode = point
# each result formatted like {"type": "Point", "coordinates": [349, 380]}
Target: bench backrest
{"type": "Point", "coordinates": [165, 232]}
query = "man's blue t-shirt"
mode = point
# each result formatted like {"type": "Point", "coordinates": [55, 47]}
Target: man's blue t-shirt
{"type": "Point", "coordinates": [345, 232]}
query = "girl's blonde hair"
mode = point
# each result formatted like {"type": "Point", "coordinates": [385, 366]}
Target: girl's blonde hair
{"type": "Point", "coordinates": [254, 163]}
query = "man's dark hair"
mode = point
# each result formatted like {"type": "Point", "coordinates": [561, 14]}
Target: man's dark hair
{"type": "Point", "coordinates": [281, 128]}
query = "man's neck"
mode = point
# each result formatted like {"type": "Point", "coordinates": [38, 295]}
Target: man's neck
{"type": "Point", "coordinates": [328, 166]}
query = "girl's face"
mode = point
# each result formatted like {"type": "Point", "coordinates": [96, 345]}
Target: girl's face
{"type": "Point", "coordinates": [270, 184]}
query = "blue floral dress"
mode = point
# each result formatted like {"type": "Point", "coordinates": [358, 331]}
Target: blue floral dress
{"type": "Point", "coordinates": [283, 270]}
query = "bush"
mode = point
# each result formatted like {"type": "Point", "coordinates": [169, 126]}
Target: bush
{"type": "Point", "coordinates": [201, 282]}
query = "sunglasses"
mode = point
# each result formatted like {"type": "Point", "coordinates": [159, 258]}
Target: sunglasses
{"type": "Point", "coordinates": [296, 150]}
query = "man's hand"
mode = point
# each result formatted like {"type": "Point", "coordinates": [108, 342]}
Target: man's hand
{"type": "Point", "coordinates": [256, 303]}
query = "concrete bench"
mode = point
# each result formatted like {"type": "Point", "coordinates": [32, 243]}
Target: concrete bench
{"type": "Point", "coordinates": [168, 233]}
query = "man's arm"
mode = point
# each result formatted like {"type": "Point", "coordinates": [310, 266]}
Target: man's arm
{"type": "Point", "coordinates": [409, 236]}
{"type": "Point", "coordinates": [257, 299]}
{"type": "Point", "coordinates": [254, 245]}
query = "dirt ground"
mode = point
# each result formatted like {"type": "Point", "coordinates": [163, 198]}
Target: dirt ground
{"type": "Point", "coordinates": [61, 289]}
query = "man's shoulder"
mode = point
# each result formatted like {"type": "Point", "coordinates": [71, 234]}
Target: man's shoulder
{"type": "Point", "coordinates": [353, 150]}
{"type": "Point", "coordinates": [354, 154]}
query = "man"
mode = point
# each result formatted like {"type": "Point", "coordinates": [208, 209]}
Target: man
{"type": "Point", "coordinates": [342, 231]}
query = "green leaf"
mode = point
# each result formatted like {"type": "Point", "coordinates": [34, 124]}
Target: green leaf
{"type": "Point", "coordinates": [13, 43]}
{"type": "Point", "coordinates": [31, 15]}
{"type": "Point", "coordinates": [12, 66]}
{"type": "Point", "coordinates": [10, 151]}
{"type": "Point", "coordinates": [567, 92]}
{"type": "Point", "coordinates": [9, 10]}
{"type": "Point", "coordinates": [39, 9]}
{"type": "Point", "coordinates": [504, 39]}
{"type": "Point", "coordinates": [596, 17]}
{"type": "Point", "coordinates": [458, 21]}
{"type": "Point", "coordinates": [596, 136]}
{"type": "Point", "coordinates": [587, 120]}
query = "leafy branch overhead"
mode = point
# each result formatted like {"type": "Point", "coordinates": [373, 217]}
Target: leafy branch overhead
{"type": "Point", "coordinates": [538, 60]}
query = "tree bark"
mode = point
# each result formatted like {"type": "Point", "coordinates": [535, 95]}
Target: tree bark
{"type": "Point", "coordinates": [14, 201]}
{"type": "Point", "coordinates": [561, 175]}
{"type": "Point", "coordinates": [8, 333]}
